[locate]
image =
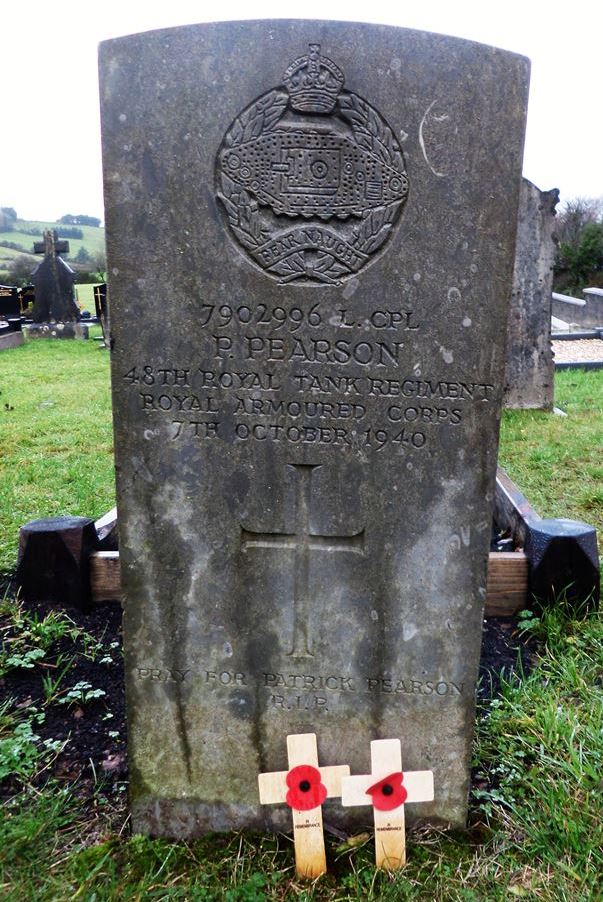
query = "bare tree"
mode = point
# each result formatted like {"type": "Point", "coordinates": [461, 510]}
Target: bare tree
{"type": "Point", "coordinates": [580, 243]}
{"type": "Point", "coordinates": [574, 215]}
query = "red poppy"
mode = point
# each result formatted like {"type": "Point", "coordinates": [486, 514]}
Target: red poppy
{"type": "Point", "coordinates": [305, 788]}
{"type": "Point", "coordinates": [388, 793]}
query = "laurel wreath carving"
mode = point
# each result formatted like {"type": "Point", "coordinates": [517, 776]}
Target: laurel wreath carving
{"type": "Point", "coordinates": [242, 208]}
{"type": "Point", "coordinates": [370, 130]}
{"type": "Point", "coordinates": [325, 269]}
{"type": "Point", "coordinates": [374, 227]}
{"type": "Point", "coordinates": [259, 117]}
{"type": "Point", "coordinates": [243, 212]}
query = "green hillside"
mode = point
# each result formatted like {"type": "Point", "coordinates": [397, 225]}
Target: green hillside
{"type": "Point", "coordinates": [93, 240]}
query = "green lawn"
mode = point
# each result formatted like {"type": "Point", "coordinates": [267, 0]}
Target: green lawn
{"type": "Point", "coordinates": [535, 828]}
{"type": "Point", "coordinates": [85, 296]}
{"type": "Point", "coordinates": [536, 825]}
{"type": "Point", "coordinates": [558, 461]}
{"type": "Point", "coordinates": [55, 435]}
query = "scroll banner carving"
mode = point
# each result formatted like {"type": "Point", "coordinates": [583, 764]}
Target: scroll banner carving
{"type": "Point", "coordinates": [305, 155]}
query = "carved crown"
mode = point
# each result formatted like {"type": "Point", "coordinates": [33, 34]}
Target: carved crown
{"type": "Point", "coordinates": [313, 82]}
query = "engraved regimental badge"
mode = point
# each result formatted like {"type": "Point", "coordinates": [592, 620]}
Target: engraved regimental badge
{"type": "Point", "coordinates": [311, 177]}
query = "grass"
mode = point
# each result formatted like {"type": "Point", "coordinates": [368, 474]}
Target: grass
{"type": "Point", "coordinates": [536, 824]}
{"type": "Point", "coordinates": [536, 833]}
{"type": "Point", "coordinates": [85, 296]}
{"type": "Point", "coordinates": [558, 461]}
{"type": "Point", "coordinates": [55, 434]}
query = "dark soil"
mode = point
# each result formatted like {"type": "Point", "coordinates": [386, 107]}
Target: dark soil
{"type": "Point", "coordinates": [95, 752]}
{"type": "Point", "coordinates": [94, 756]}
{"type": "Point", "coordinates": [504, 652]}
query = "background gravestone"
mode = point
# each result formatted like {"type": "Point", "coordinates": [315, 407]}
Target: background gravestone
{"type": "Point", "coordinates": [530, 370]}
{"type": "Point", "coordinates": [316, 222]}
{"type": "Point", "coordinates": [101, 306]}
{"type": "Point", "coordinates": [53, 280]}
{"type": "Point", "coordinates": [55, 312]}
{"type": "Point", "coordinates": [9, 302]}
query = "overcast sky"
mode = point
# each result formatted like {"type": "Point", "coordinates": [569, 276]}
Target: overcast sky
{"type": "Point", "coordinates": [50, 146]}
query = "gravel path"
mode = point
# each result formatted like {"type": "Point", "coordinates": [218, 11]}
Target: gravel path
{"type": "Point", "coordinates": [582, 349]}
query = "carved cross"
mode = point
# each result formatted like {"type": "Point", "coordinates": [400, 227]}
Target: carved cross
{"type": "Point", "coordinates": [303, 542]}
{"type": "Point", "coordinates": [388, 789]}
{"type": "Point", "coordinates": [304, 787]}
{"type": "Point", "coordinates": [51, 245]}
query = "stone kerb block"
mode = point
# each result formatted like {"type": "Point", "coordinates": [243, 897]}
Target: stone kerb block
{"type": "Point", "coordinates": [57, 330]}
{"type": "Point", "coordinates": [564, 562]}
{"type": "Point", "coordinates": [53, 562]}
{"type": "Point", "coordinates": [594, 306]}
{"type": "Point", "coordinates": [10, 339]}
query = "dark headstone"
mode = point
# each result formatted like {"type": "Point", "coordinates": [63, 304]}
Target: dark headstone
{"type": "Point", "coordinates": [9, 302]}
{"type": "Point", "coordinates": [53, 560]}
{"type": "Point", "coordinates": [317, 220]}
{"type": "Point", "coordinates": [53, 281]}
{"type": "Point", "coordinates": [564, 563]}
{"type": "Point", "coordinates": [101, 304]}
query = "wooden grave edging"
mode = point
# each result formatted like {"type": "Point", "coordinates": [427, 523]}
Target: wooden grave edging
{"type": "Point", "coordinates": [562, 554]}
{"type": "Point", "coordinates": [506, 591]}
{"type": "Point", "coordinates": [551, 554]}
{"type": "Point", "coordinates": [507, 586]}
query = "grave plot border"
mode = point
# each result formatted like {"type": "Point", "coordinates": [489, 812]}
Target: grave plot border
{"type": "Point", "coordinates": [544, 548]}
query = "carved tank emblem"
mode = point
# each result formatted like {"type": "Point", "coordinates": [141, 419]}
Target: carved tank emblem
{"type": "Point", "coordinates": [311, 177]}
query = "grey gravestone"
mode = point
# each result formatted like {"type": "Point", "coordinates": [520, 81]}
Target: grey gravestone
{"type": "Point", "coordinates": [53, 281]}
{"type": "Point", "coordinates": [9, 338]}
{"type": "Point", "coordinates": [529, 376]}
{"type": "Point", "coordinates": [316, 221]}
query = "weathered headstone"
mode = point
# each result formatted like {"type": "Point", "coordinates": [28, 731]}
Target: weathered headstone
{"type": "Point", "coordinates": [55, 312]}
{"type": "Point", "coordinates": [579, 313]}
{"type": "Point", "coordinates": [9, 337]}
{"type": "Point", "coordinates": [530, 370]}
{"type": "Point", "coordinates": [53, 280]}
{"type": "Point", "coordinates": [317, 222]}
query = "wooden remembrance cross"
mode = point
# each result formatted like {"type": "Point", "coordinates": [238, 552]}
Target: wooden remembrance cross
{"type": "Point", "coordinates": [303, 542]}
{"type": "Point", "coordinates": [387, 789]}
{"type": "Point", "coordinates": [304, 787]}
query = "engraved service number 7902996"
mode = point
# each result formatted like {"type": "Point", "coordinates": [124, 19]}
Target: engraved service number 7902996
{"type": "Point", "coordinates": [276, 317]}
